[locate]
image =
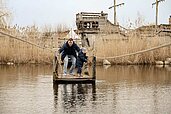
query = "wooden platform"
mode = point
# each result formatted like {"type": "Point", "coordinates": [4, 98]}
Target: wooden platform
{"type": "Point", "coordinates": [60, 79]}
{"type": "Point", "coordinates": [68, 79]}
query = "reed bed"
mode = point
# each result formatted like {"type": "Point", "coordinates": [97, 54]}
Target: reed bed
{"type": "Point", "coordinates": [110, 45]}
{"type": "Point", "coordinates": [15, 51]}
{"type": "Point", "coordinates": [114, 45]}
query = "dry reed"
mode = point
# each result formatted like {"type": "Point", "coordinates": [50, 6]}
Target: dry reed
{"type": "Point", "coordinates": [16, 51]}
{"type": "Point", "coordinates": [115, 45]}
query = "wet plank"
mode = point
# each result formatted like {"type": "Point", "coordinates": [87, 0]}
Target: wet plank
{"type": "Point", "coordinates": [74, 79]}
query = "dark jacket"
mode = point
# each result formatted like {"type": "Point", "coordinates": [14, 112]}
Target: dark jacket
{"type": "Point", "coordinates": [81, 59]}
{"type": "Point", "coordinates": [67, 50]}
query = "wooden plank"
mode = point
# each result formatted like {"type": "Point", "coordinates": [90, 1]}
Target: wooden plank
{"type": "Point", "coordinates": [73, 79]}
{"type": "Point", "coordinates": [76, 81]}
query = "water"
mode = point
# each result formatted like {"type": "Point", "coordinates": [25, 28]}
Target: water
{"type": "Point", "coordinates": [118, 90]}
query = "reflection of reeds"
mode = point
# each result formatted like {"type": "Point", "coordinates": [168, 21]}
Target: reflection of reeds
{"type": "Point", "coordinates": [114, 45]}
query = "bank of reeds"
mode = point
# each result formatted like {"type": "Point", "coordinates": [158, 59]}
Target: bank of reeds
{"type": "Point", "coordinates": [40, 49]}
{"type": "Point", "coordinates": [17, 51]}
{"type": "Point", "coordinates": [115, 45]}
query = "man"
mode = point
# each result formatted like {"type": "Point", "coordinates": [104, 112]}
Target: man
{"type": "Point", "coordinates": [69, 49]}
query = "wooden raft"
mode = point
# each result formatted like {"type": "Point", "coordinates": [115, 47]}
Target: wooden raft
{"type": "Point", "coordinates": [68, 79]}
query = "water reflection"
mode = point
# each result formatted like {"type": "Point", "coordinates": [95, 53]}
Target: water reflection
{"type": "Point", "coordinates": [142, 89]}
{"type": "Point", "coordinates": [106, 66]}
{"type": "Point", "coordinates": [135, 74]}
{"type": "Point", "coordinates": [70, 97]}
{"type": "Point", "coordinates": [25, 89]}
{"type": "Point", "coordinates": [118, 90]}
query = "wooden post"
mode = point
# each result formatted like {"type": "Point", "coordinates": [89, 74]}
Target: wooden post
{"type": "Point", "coordinates": [94, 67]}
{"type": "Point", "coordinates": [114, 12]}
{"type": "Point", "coordinates": [157, 3]}
{"type": "Point", "coordinates": [55, 89]}
{"type": "Point", "coordinates": [55, 68]}
{"type": "Point", "coordinates": [83, 41]}
{"type": "Point", "coordinates": [156, 15]}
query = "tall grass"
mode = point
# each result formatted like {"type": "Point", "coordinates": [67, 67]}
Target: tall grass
{"type": "Point", "coordinates": [115, 45]}
{"type": "Point", "coordinates": [19, 52]}
{"type": "Point", "coordinates": [109, 45]}
{"type": "Point", "coordinates": [16, 51]}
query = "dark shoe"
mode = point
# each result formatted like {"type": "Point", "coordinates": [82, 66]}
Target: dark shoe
{"type": "Point", "coordinates": [72, 74]}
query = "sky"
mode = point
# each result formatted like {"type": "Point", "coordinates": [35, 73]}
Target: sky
{"type": "Point", "coordinates": [57, 12]}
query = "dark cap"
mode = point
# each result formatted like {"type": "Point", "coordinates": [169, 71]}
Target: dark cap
{"type": "Point", "coordinates": [70, 39]}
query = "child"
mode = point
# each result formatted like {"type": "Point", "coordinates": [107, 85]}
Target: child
{"type": "Point", "coordinates": [80, 60]}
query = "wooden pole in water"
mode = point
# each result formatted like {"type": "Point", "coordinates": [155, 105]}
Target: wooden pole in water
{"type": "Point", "coordinates": [94, 67]}
{"type": "Point", "coordinates": [55, 67]}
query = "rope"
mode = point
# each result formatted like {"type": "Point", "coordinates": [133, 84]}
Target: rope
{"type": "Point", "coordinates": [135, 53]}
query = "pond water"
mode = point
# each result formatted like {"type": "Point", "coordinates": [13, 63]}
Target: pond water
{"type": "Point", "coordinates": [29, 89]}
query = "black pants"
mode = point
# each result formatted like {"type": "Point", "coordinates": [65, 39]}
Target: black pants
{"type": "Point", "coordinates": [79, 69]}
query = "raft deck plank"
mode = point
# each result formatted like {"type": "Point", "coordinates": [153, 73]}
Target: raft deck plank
{"type": "Point", "coordinates": [74, 79]}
